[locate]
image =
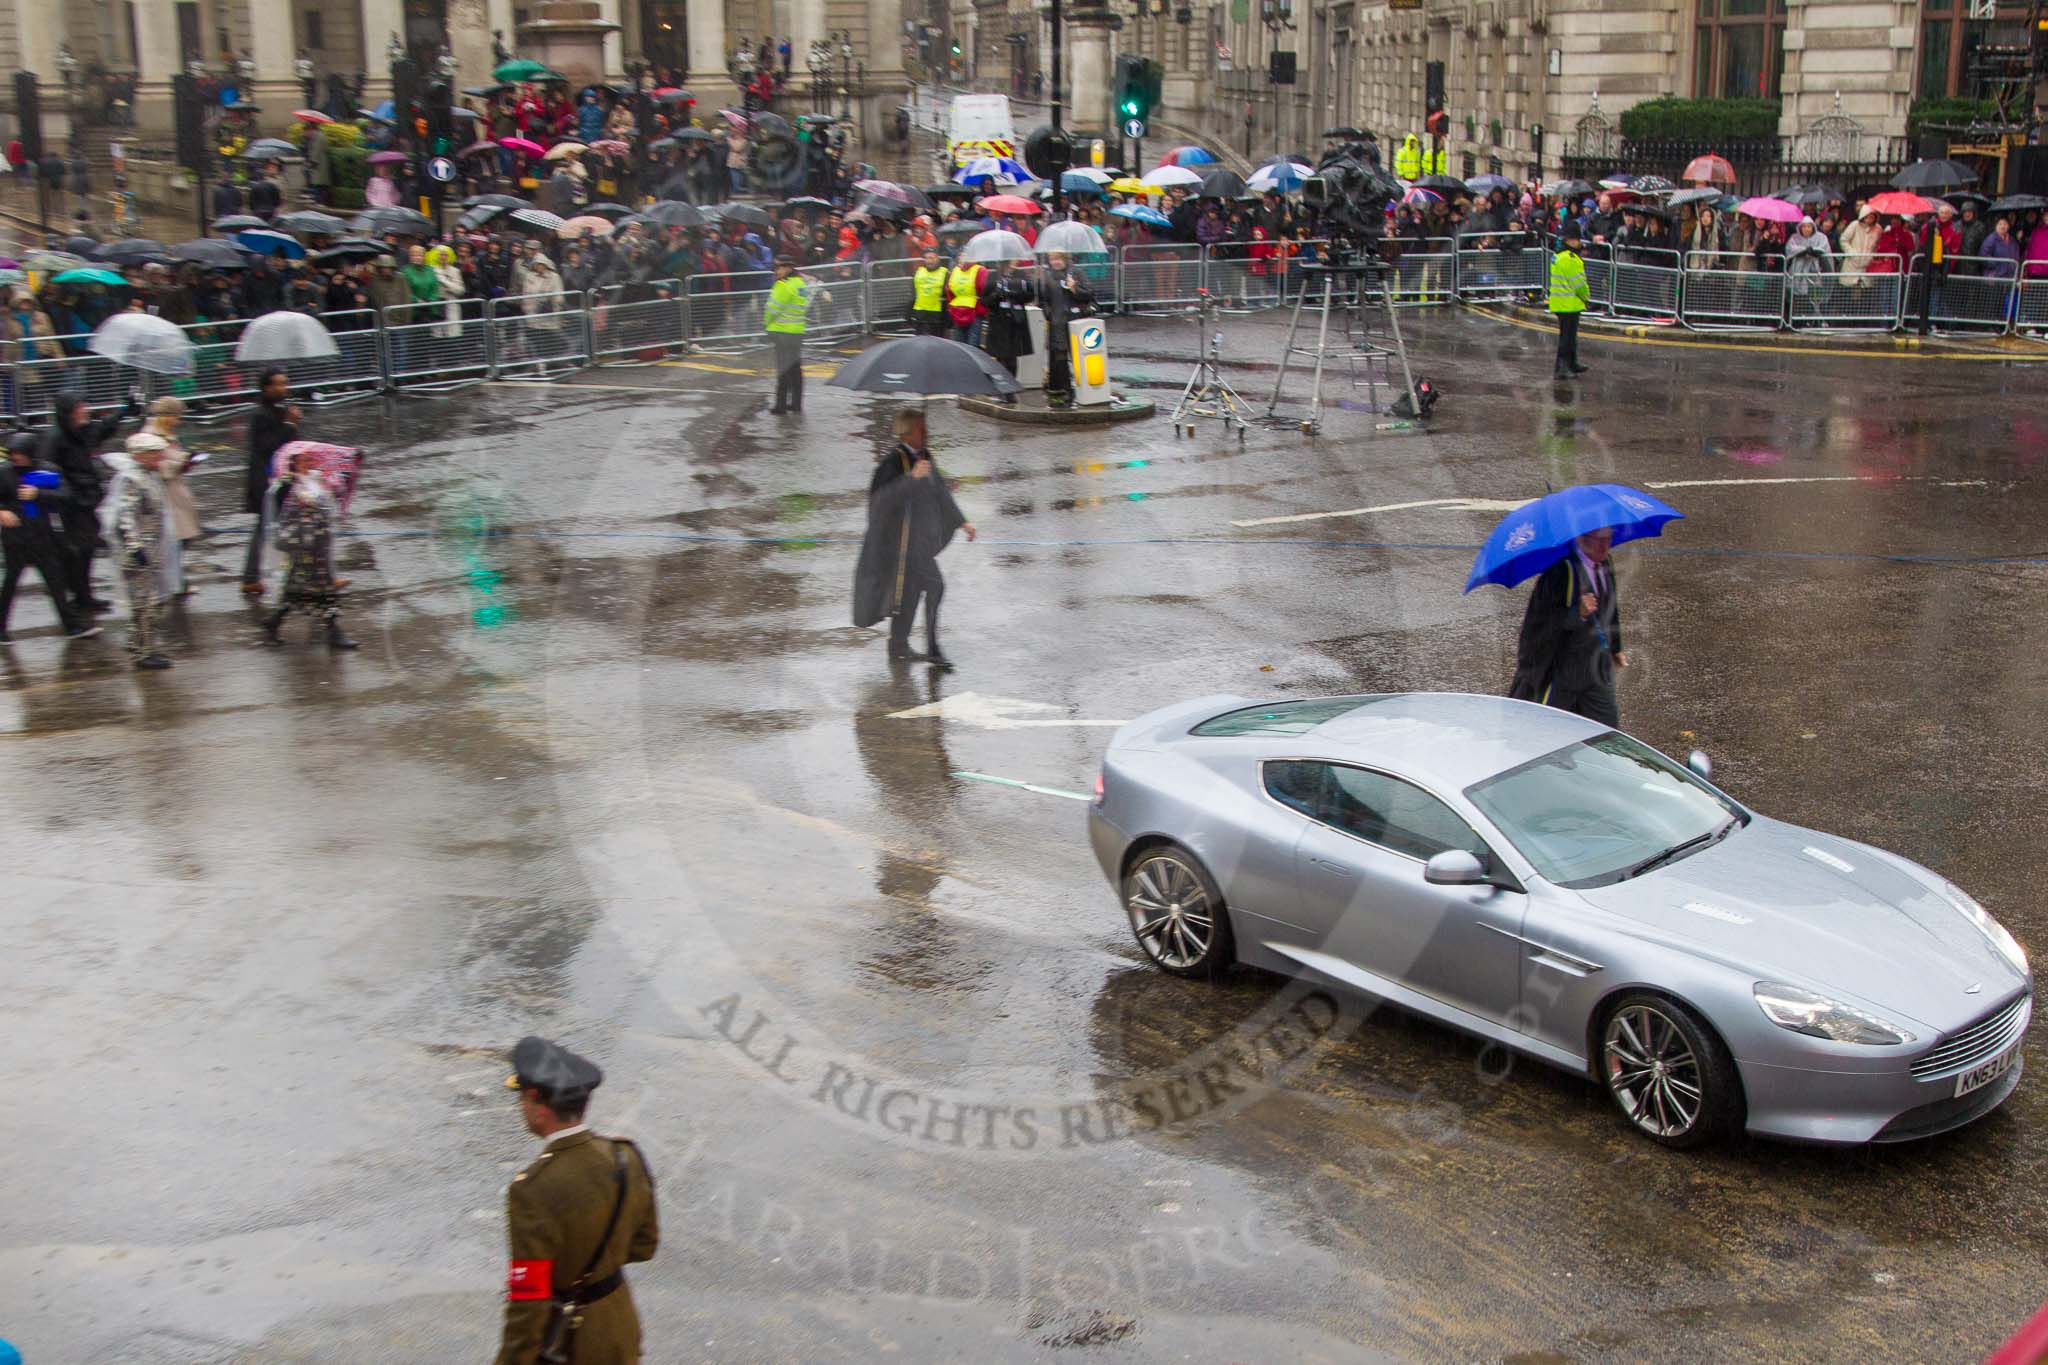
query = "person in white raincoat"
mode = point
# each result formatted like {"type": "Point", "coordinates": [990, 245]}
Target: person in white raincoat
{"type": "Point", "coordinates": [135, 519]}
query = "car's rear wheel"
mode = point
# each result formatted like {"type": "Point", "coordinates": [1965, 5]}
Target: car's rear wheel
{"type": "Point", "coordinates": [1670, 1076]}
{"type": "Point", "coordinates": [1177, 913]}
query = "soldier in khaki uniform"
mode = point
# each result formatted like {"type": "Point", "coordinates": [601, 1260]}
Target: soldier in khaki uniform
{"type": "Point", "coordinates": [578, 1215]}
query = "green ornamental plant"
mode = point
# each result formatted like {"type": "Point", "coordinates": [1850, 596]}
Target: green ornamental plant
{"type": "Point", "coordinates": [1670, 119]}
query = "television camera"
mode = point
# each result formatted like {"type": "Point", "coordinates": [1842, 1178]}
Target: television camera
{"type": "Point", "coordinates": [1351, 191]}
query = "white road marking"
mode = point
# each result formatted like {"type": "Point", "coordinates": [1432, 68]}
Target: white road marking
{"type": "Point", "coordinates": [1737, 483]}
{"type": "Point", "coordinates": [998, 713]}
{"type": "Point", "coordinates": [1024, 786]}
{"type": "Point", "coordinates": [1459, 504]}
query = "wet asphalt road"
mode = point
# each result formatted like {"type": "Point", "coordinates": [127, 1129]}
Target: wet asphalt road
{"type": "Point", "coordinates": [613, 767]}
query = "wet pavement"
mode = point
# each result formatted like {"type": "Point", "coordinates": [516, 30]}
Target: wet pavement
{"type": "Point", "coordinates": [612, 766]}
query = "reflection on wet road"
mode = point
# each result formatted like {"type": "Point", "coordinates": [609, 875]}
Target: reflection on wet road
{"type": "Point", "coordinates": [613, 766]}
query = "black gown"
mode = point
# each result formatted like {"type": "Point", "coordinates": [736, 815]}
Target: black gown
{"type": "Point", "coordinates": [910, 521]}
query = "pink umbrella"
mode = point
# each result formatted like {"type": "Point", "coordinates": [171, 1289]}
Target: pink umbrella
{"type": "Point", "coordinates": [733, 117]}
{"type": "Point", "coordinates": [310, 116]}
{"type": "Point", "coordinates": [338, 465]}
{"type": "Point", "coordinates": [1008, 203]}
{"type": "Point", "coordinates": [524, 146]}
{"type": "Point", "coordinates": [1768, 210]}
{"type": "Point", "coordinates": [387, 158]}
{"type": "Point", "coordinates": [610, 147]}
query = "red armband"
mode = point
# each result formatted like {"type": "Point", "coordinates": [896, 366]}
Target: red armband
{"type": "Point", "coordinates": [530, 1280]}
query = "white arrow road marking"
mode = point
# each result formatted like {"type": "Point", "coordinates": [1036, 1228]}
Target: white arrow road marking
{"type": "Point", "coordinates": [998, 713]}
{"type": "Point", "coordinates": [1024, 786]}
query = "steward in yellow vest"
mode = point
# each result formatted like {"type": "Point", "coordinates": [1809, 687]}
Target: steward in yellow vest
{"type": "Point", "coordinates": [963, 299]}
{"type": "Point", "coordinates": [928, 296]}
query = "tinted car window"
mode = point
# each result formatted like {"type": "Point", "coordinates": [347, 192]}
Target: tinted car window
{"type": "Point", "coordinates": [1282, 717]}
{"type": "Point", "coordinates": [1377, 808]}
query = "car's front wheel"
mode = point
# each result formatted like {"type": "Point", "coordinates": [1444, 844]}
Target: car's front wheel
{"type": "Point", "coordinates": [1177, 913]}
{"type": "Point", "coordinates": [1669, 1074]}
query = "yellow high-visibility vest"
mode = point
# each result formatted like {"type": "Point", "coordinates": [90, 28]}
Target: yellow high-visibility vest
{"type": "Point", "coordinates": [960, 284]}
{"type": "Point", "coordinates": [931, 289]}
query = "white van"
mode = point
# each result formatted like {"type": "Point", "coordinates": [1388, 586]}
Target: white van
{"type": "Point", "coordinates": [980, 126]}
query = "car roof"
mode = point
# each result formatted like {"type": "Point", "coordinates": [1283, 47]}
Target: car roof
{"type": "Point", "coordinates": [1448, 740]}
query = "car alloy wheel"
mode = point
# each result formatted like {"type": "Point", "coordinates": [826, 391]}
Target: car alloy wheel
{"type": "Point", "coordinates": [1175, 912]}
{"type": "Point", "coordinates": [1652, 1071]}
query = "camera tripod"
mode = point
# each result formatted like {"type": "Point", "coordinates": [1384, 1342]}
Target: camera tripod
{"type": "Point", "coordinates": [1369, 279]}
{"type": "Point", "coordinates": [1208, 393]}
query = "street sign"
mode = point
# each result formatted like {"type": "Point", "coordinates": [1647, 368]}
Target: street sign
{"type": "Point", "coordinates": [441, 169]}
{"type": "Point", "coordinates": [1134, 128]}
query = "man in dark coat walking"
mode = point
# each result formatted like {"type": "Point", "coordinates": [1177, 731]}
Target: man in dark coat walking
{"type": "Point", "coordinates": [911, 519]}
{"type": "Point", "coordinates": [274, 421]}
{"type": "Point", "coordinates": [1571, 634]}
{"type": "Point", "coordinates": [68, 447]}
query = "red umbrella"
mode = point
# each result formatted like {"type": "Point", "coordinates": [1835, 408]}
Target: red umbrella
{"type": "Point", "coordinates": [525, 146]}
{"type": "Point", "coordinates": [1008, 203]}
{"type": "Point", "coordinates": [310, 116]}
{"type": "Point", "coordinates": [1709, 170]}
{"type": "Point", "coordinates": [1899, 202]}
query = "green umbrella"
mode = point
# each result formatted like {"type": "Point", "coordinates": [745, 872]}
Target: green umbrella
{"type": "Point", "coordinates": [524, 69]}
{"type": "Point", "coordinates": [90, 275]}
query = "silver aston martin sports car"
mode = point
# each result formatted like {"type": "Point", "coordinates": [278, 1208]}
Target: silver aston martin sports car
{"type": "Point", "coordinates": [1559, 888]}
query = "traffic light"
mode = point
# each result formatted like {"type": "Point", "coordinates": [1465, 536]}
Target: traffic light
{"type": "Point", "coordinates": [189, 107]}
{"type": "Point", "coordinates": [28, 114]}
{"type": "Point", "coordinates": [1133, 87]}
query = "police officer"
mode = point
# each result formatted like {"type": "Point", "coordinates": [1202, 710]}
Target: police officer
{"type": "Point", "coordinates": [1569, 295]}
{"type": "Point", "coordinates": [578, 1215]}
{"type": "Point", "coordinates": [928, 296]}
{"type": "Point", "coordinates": [1408, 159]}
{"type": "Point", "coordinates": [789, 303]}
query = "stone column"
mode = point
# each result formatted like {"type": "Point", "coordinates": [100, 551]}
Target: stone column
{"type": "Point", "coordinates": [708, 79]}
{"type": "Point", "coordinates": [469, 39]}
{"type": "Point", "coordinates": [381, 19]}
{"type": "Point", "coordinates": [273, 49]}
{"type": "Point", "coordinates": [807, 21]}
{"type": "Point", "coordinates": [1088, 68]}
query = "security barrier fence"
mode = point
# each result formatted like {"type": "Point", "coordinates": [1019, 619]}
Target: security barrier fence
{"type": "Point", "coordinates": [443, 345]}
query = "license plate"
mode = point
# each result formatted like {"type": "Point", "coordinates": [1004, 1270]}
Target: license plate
{"type": "Point", "coordinates": [1984, 1073]}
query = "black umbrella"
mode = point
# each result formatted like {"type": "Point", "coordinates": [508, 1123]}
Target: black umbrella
{"type": "Point", "coordinates": [1935, 177]}
{"type": "Point", "coordinates": [611, 211]}
{"type": "Point", "coordinates": [692, 135]}
{"type": "Point", "coordinates": [964, 227]}
{"type": "Point", "coordinates": [353, 249]}
{"type": "Point", "coordinates": [1651, 184]}
{"type": "Point", "coordinates": [81, 245]}
{"type": "Point", "coordinates": [132, 251]}
{"type": "Point", "coordinates": [674, 213]}
{"type": "Point", "coordinates": [500, 201]}
{"type": "Point", "coordinates": [404, 222]}
{"type": "Point", "coordinates": [2019, 203]}
{"type": "Point", "coordinates": [920, 367]}
{"type": "Point", "coordinates": [484, 92]}
{"type": "Point", "coordinates": [882, 208]}
{"type": "Point", "coordinates": [772, 125]}
{"type": "Point", "coordinates": [803, 203]}
{"type": "Point", "coordinates": [460, 112]}
{"type": "Point", "coordinates": [1443, 184]}
{"type": "Point", "coordinates": [1572, 189]}
{"type": "Point", "coordinates": [674, 97]}
{"type": "Point", "coordinates": [1809, 196]}
{"type": "Point", "coordinates": [1705, 194]}
{"type": "Point", "coordinates": [310, 222]}
{"type": "Point", "coordinates": [238, 222]}
{"type": "Point", "coordinates": [481, 214]}
{"type": "Point", "coordinates": [211, 252]}
{"type": "Point", "coordinates": [1961, 197]}
{"type": "Point", "coordinates": [1222, 185]}
{"type": "Point", "coordinates": [952, 192]}
{"type": "Point", "coordinates": [742, 213]}
{"type": "Point", "coordinates": [270, 149]}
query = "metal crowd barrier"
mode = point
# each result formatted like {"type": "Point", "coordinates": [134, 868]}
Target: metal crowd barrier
{"type": "Point", "coordinates": [628, 325]}
{"type": "Point", "coordinates": [1240, 281]}
{"type": "Point", "coordinates": [33, 385]}
{"type": "Point", "coordinates": [726, 311]}
{"type": "Point", "coordinates": [1098, 272]}
{"type": "Point", "coordinates": [1647, 286]}
{"type": "Point", "coordinates": [536, 335]}
{"type": "Point", "coordinates": [357, 372]}
{"type": "Point", "coordinates": [1503, 273]}
{"type": "Point", "coordinates": [891, 292]}
{"type": "Point", "coordinates": [1967, 297]}
{"type": "Point", "coordinates": [1855, 299]}
{"type": "Point", "coordinates": [426, 349]}
{"type": "Point", "coordinates": [839, 301]}
{"type": "Point", "coordinates": [1730, 297]}
{"type": "Point", "coordinates": [2031, 316]}
{"type": "Point", "coordinates": [1161, 275]}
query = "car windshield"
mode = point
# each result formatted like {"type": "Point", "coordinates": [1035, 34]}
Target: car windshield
{"type": "Point", "coordinates": [1597, 811]}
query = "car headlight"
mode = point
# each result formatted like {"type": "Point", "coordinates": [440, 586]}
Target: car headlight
{"type": "Point", "coordinates": [2001, 938]}
{"type": "Point", "coordinates": [1798, 1009]}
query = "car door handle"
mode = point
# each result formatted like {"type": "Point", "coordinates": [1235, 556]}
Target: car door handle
{"type": "Point", "coordinates": [1328, 866]}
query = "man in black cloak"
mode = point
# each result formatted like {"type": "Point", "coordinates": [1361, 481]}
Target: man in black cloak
{"type": "Point", "coordinates": [911, 519]}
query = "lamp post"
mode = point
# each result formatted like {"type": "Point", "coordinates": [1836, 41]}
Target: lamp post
{"type": "Point", "coordinates": [846, 80]}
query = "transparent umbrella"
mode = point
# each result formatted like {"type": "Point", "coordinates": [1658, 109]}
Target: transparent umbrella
{"type": "Point", "coordinates": [285, 336]}
{"type": "Point", "coordinates": [144, 342]}
{"type": "Point", "coordinates": [995, 246]}
{"type": "Point", "coordinates": [1072, 239]}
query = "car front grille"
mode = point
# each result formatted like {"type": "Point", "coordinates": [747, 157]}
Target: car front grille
{"type": "Point", "coordinates": [1979, 1042]}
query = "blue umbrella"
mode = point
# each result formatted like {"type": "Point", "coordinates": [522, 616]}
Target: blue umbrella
{"type": "Point", "coordinates": [1073, 182]}
{"type": "Point", "coordinates": [983, 169]}
{"type": "Point", "coordinates": [1537, 535]}
{"type": "Point", "coordinates": [1487, 184]}
{"type": "Point", "coordinates": [384, 109]}
{"type": "Point", "coordinates": [1139, 213]}
{"type": "Point", "coordinates": [264, 242]}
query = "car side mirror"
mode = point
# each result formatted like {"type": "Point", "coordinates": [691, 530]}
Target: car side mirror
{"type": "Point", "coordinates": [1455, 867]}
{"type": "Point", "coordinates": [1698, 761]}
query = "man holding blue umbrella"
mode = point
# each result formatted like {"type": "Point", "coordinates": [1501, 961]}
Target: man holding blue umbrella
{"type": "Point", "coordinates": [1571, 634]}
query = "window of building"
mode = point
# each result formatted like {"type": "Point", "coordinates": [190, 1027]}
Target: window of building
{"type": "Point", "coordinates": [316, 29]}
{"type": "Point", "coordinates": [1949, 41]}
{"type": "Point", "coordinates": [1739, 50]}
